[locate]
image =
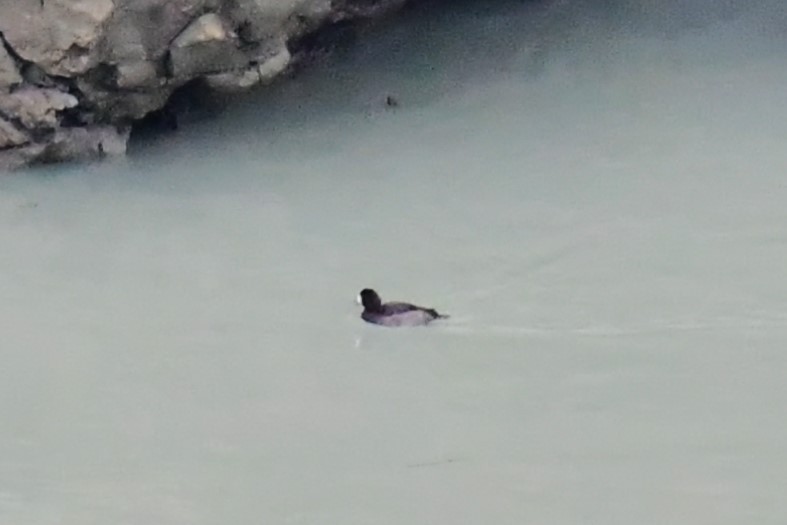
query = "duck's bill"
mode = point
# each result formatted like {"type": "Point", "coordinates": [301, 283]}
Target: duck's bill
{"type": "Point", "coordinates": [358, 299]}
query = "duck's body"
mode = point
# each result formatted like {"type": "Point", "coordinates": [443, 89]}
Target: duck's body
{"type": "Point", "coordinates": [394, 314]}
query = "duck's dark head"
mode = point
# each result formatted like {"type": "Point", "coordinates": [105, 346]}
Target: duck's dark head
{"type": "Point", "coordinates": [370, 300]}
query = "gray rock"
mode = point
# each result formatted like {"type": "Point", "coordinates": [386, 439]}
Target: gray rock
{"type": "Point", "coordinates": [234, 81]}
{"type": "Point", "coordinates": [264, 20]}
{"type": "Point", "coordinates": [205, 29]}
{"type": "Point", "coordinates": [60, 36]}
{"type": "Point", "coordinates": [35, 76]}
{"type": "Point", "coordinates": [144, 29]}
{"type": "Point", "coordinates": [79, 72]}
{"type": "Point", "coordinates": [262, 73]}
{"type": "Point", "coordinates": [11, 136]}
{"type": "Point", "coordinates": [9, 73]}
{"type": "Point", "coordinates": [35, 107]}
{"type": "Point", "coordinates": [86, 142]}
{"type": "Point", "coordinates": [274, 64]}
{"type": "Point", "coordinates": [138, 74]}
{"type": "Point", "coordinates": [67, 144]}
{"type": "Point", "coordinates": [15, 158]}
{"type": "Point", "coordinates": [207, 45]}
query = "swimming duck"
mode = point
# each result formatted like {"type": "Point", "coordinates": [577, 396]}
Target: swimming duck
{"type": "Point", "coordinates": [394, 314]}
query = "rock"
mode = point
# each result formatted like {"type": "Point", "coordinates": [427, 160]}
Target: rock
{"type": "Point", "coordinates": [10, 136]}
{"type": "Point", "coordinates": [274, 65]}
{"type": "Point", "coordinates": [207, 45]}
{"type": "Point", "coordinates": [261, 20]}
{"type": "Point", "coordinates": [207, 28]}
{"type": "Point", "coordinates": [35, 76]}
{"type": "Point", "coordinates": [60, 36]}
{"type": "Point", "coordinates": [15, 158]}
{"type": "Point", "coordinates": [83, 143]}
{"type": "Point", "coordinates": [138, 74]}
{"type": "Point", "coordinates": [9, 74]}
{"type": "Point", "coordinates": [129, 35]}
{"type": "Point", "coordinates": [68, 144]}
{"type": "Point", "coordinates": [234, 81]}
{"type": "Point", "coordinates": [74, 74]}
{"type": "Point", "coordinates": [36, 107]}
{"type": "Point", "coordinates": [262, 73]}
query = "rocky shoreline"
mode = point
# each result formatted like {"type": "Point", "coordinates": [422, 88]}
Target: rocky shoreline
{"type": "Point", "coordinates": [75, 75]}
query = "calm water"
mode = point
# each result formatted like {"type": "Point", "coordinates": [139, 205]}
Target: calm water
{"type": "Point", "coordinates": [597, 196]}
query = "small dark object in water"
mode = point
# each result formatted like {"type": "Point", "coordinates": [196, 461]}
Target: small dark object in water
{"type": "Point", "coordinates": [391, 101]}
{"type": "Point", "coordinates": [394, 314]}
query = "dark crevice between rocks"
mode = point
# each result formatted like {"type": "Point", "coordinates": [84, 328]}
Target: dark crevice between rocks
{"type": "Point", "coordinates": [103, 76]}
{"type": "Point", "coordinates": [11, 50]}
{"type": "Point", "coordinates": [83, 114]}
{"type": "Point", "coordinates": [191, 102]}
{"type": "Point", "coordinates": [169, 67]}
{"type": "Point", "coordinates": [245, 33]}
{"type": "Point", "coordinates": [156, 122]}
{"type": "Point", "coordinates": [73, 118]}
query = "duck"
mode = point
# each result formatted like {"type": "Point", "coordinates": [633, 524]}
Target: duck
{"type": "Point", "coordinates": [375, 311]}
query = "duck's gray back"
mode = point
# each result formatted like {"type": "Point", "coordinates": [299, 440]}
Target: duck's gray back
{"type": "Point", "coordinates": [404, 318]}
{"type": "Point", "coordinates": [398, 308]}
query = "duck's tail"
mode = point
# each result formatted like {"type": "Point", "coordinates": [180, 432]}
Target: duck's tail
{"type": "Point", "coordinates": [436, 314]}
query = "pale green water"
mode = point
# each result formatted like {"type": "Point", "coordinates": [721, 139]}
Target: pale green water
{"type": "Point", "coordinates": [601, 208]}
